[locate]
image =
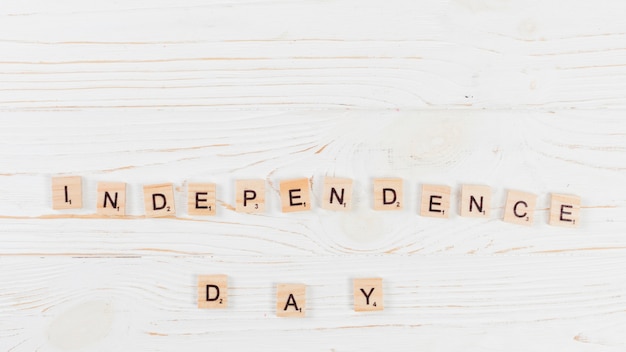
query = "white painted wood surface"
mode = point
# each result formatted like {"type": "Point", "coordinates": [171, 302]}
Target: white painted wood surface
{"type": "Point", "coordinates": [525, 95]}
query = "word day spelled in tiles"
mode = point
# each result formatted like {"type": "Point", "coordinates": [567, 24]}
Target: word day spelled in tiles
{"type": "Point", "coordinates": [111, 199]}
{"type": "Point", "coordinates": [564, 210]}
{"type": "Point", "coordinates": [520, 208]}
{"type": "Point", "coordinates": [295, 195]}
{"type": "Point", "coordinates": [368, 294]}
{"type": "Point", "coordinates": [291, 300]}
{"type": "Point", "coordinates": [67, 192]}
{"type": "Point", "coordinates": [250, 196]}
{"type": "Point", "coordinates": [337, 194]}
{"type": "Point", "coordinates": [388, 194]}
{"type": "Point", "coordinates": [435, 201]}
{"type": "Point", "coordinates": [159, 200]}
{"type": "Point", "coordinates": [212, 291]}
{"type": "Point", "coordinates": [475, 201]}
{"type": "Point", "coordinates": [201, 199]}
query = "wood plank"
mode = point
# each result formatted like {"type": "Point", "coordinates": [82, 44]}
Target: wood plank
{"type": "Point", "coordinates": [264, 54]}
{"type": "Point", "coordinates": [565, 152]}
{"type": "Point", "coordinates": [485, 301]}
{"type": "Point", "coordinates": [525, 95]}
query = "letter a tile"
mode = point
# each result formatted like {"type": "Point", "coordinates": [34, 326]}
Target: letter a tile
{"type": "Point", "coordinates": [291, 300]}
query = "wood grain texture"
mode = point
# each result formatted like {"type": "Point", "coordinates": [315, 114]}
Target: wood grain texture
{"type": "Point", "coordinates": [516, 95]}
{"type": "Point", "coordinates": [312, 54]}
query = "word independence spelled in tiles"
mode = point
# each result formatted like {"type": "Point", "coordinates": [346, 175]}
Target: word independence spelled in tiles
{"type": "Point", "coordinates": [295, 196]}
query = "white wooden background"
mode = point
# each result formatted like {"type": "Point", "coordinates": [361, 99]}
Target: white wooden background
{"type": "Point", "coordinates": [526, 95]}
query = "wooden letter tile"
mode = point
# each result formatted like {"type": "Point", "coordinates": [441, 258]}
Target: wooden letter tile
{"type": "Point", "coordinates": [67, 192]}
{"type": "Point", "coordinates": [212, 291]}
{"type": "Point", "coordinates": [565, 210]}
{"type": "Point", "coordinates": [435, 201]}
{"type": "Point", "coordinates": [250, 196]}
{"type": "Point", "coordinates": [475, 201]}
{"type": "Point", "coordinates": [368, 294]}
{"type": "Point", "coordinates": [159, 200]}
{"type": "Point", "coordinates": [111, 199]}
{"type": "Point", "coordinates": [388, 194]}
{"type": "Point", "coordinates": [520, 208]}
{"type": "Point", "coordinates": [291, 300]}
{"type": "Point", "coordinates": [295, 195]}
{"type": "Point", "coordinates": [201, 199]}
{"type": "Point", "coordinates": [337, 194]}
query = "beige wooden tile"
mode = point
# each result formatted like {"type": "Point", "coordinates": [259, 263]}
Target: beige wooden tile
{"type": "Point", "coordinates": [201, 199]}
{"type": "Point", "coordinates": [159, 200]}
{"type": "Point", "coordinates": [388, 194]}
{"type": "Point", "coordinates": [565, 210]}
{"type": "Point", "coordinates": [111, 200]}
{"type": "Point", "coordinates": [291, 300]}
{"type": "Point", "coordinates": [520, 208]}
{"type": "Point", "coordinates": [67, 192]}
{"type": "Point", "coordinates": [368, 294]}
{"type": "Point", "coordinates": [435, 201]}
{"type": "Point", "coordinates": [475, 201]}
{"type": "Point", "coordinates": [337, 194]}
{"type": "Point", "coordinates": [212, 291]}
{"type": "Point", "coordinates": [250, 196]}
{"type": "Point", "coordinates": [295, 195]}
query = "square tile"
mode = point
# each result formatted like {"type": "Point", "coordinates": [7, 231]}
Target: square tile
{"type": "Point", "coordinates": [565, 210]}
{"type": "Point", "coordinates": [201, 199]}
{"type": "Point", "coordinates": [435, 201]}
{"type": "Point", "coordinates": [388, 194]}
{"type": "Point", "coordinates": [520, 208]}
{"type": "Point", "coordinates": [368, 294]}
{"type": "Point", "coordinates": [159, 200]}
{"type": "Point", "coordinates": [250, 196]}
{"type": "Point", "coordinates": [295, 195]}
{"type": "Point", "coordinates": [291, 300]}
{"type": "Point", "coordinates": [67, 192]}
{"type": "Point", "coordinates": [475, 201]}
{"type": "Point", "coordinates": [337, 194]}
{"type": "Point", "coordinates": [212, 291]}
{"type": "Point", "coordinates": [111, 199]}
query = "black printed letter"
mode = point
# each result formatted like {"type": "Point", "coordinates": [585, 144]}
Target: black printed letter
{"type": "Point", "coordinates": [198, 200]}
{"type": "Point", "coordinates": [367, 295]}
{"type": "Point", "coordinates": [479, 206]}
{"type": "Point", "coordinates": [565, 212]}
{"type": "Point", "coordinates": [430, 205]}
{"type": "Point", "coordinates": [162, 196]}
{"type": "Point", "coordinates": [385, 190]}
{"type": "Point", "coordinates": [112, 201]}
{"type": "Point", "coordinates": [246, 198]}
{"type": "Point", "coordinates": [291, 301]}
{"type": "Point", "coordinates": [217, 294]}
{"type": "Point", "coordinates": [515, 209]}
{"type": "Point", "coordinates": [339, 198]}
{"type": "Point", "coordinates": [292, 197]}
